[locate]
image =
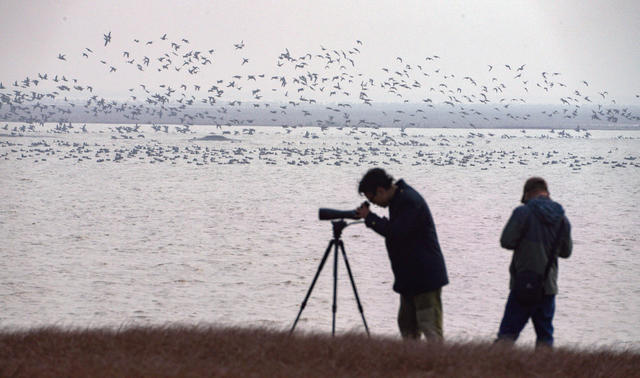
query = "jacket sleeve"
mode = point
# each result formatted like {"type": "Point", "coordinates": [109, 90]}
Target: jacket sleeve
{"type": "Point", "coordinates": [513, 230]}
{"type": "Point", "coordinates": [566, 244]}
{"type": "Point", "coordinates": [403, 224]}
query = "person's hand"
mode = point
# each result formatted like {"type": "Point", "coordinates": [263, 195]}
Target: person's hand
{"type": "Point", "coordinates": [363, 210]}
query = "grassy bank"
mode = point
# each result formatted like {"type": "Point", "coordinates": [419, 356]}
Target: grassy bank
{"type": "Point", "coordinates": [183, 351]}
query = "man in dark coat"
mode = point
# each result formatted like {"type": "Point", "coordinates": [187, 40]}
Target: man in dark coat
{"type": "Point", "coordinates": [412, 245]}
{"type": "Point", "coordinates": [533, 230]}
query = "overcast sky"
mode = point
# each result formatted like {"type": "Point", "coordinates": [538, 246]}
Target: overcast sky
{"type": "Point", "coordinates": [597, 41]}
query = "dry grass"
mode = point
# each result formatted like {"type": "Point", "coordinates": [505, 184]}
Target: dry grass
{"type": "Point", "coordinates": [194, 351]}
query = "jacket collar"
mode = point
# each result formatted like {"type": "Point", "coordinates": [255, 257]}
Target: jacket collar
{"type": "Point", "coordinates": [401, 187]}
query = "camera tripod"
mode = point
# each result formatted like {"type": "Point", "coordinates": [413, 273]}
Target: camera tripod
{"type": "Point", "coordinates": [336, 243]}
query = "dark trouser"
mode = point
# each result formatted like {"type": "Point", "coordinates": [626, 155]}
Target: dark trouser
{"type": "Point", "coordinates": [421, 313]}
{"type": "Point", "coordinates": [516, 317]}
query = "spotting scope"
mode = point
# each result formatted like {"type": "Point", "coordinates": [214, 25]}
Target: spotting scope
{"type": "Point", "coordinates": [330, 214]}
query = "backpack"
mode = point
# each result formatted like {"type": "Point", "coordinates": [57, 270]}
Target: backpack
{"type": "Point", "coordinates": [528, 286]}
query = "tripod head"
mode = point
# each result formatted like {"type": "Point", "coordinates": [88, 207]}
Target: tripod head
{"type": "Point", "coordinates": [339, 225]}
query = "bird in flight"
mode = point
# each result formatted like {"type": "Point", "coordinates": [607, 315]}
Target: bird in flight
{"type": "Point", "coordinates": [61, 57]}
{"type": "Point", "coordinates": [240, 45]}
{"type": "Point", "coordinates": [107, 38]}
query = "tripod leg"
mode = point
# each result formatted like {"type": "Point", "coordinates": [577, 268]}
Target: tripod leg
{"type": "Point", "coordinates": [353, 284]}
{"type": "Point", "coordinates": [304, 302]}
{"type": "Point", "coordinates": [335, 288]}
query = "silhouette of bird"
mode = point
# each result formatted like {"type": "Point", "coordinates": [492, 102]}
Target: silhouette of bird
{"type": "Point", "coordinates": [107, 38]}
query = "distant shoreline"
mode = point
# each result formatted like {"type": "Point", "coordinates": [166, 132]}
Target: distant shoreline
{"type": "Point", "coordinates": [181, 350]}
{"type": "Point", "coordinates": [382, 115]}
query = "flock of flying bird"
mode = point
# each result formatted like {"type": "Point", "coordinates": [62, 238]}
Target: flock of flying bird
{"type": "Point", "coordinates": [321, 88]}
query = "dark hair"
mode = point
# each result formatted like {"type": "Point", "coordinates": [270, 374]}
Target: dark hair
{"type": "Point", "coordinates": [374, 178]}
{"type": "Point", "coordinates": [534, 184]}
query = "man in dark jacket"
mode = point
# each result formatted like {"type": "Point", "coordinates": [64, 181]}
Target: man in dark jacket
{"type": "Point", "coordinates": [412, 244]}
{"type": "Point", "coordinates": [533, 230]}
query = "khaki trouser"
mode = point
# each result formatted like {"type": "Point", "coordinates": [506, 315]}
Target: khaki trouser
{"type": "Point", "coordinates": [421, 314]}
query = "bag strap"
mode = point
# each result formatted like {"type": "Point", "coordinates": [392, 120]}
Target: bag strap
{"type": "Point", "coordinates": [554, 246]}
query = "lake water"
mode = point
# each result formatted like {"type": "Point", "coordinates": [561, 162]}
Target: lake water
{"type": "Point", "coordinates": [115, 226]}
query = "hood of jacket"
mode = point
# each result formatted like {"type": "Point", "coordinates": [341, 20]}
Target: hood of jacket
{"type": "Point", "coordinates": [546, 210]}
